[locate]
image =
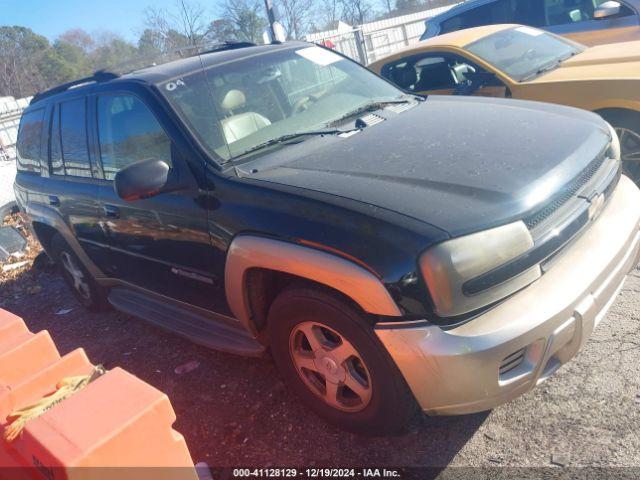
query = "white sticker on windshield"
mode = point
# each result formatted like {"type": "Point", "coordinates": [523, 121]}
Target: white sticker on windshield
{"type": "Point", "coordinates": [534, 32]}
{"type": "Point", "coordinates": [319, 55]}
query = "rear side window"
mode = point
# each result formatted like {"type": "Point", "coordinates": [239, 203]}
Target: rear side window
{"type": "Point", "coordinates": [129, 132]}
{"type": "Point", "coordinates": [73, 136]}
{"type": "Point", "coordinates": [563, 12]}
{"type": "Point", "coordinates": [29, 140]}
{"type": "Point", "coordinates": [57, 167]}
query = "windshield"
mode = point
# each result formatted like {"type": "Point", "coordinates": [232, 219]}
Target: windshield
{"type": "Point", "coordinates": [524, 52]}
{"type": "Point", "coordinates": [235, 107]}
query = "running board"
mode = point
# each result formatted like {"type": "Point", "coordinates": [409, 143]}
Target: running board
{"type": "Point", "coordinates": [201, 329]}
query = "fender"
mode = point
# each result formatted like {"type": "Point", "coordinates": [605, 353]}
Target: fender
{"type": "Point", "coordinates": [246, 252]}
{"type": "Point", "coordinates": [48, 216]}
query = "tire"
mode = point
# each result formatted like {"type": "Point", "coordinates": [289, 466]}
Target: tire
{"type": "Point", "coordinates": [627, 125]}
{"type": "Point", "coordinates": [84, 287]}
{"type": "Point", "coordinates": [347, 354]}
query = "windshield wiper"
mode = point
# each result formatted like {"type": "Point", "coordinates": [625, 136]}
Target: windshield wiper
{"type": "Point", "coordinates": [290, 136]}
{"type": "Point", "coordinates": [548, 67]}
{"type": "Point", "coordinates": [368, 107]}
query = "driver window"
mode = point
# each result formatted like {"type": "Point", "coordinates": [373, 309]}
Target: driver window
{"type": "Point", "coordinates": [434, 73]}
{"type": "Point", "coordinates": [562, 12]}
{"type": "Point", "coordinates": [128, 132]}
{"type": "Point", "coordinates": [429, 73]}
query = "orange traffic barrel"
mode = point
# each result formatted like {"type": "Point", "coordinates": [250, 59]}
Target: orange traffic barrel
{"type": "Point", "coordinates": [117, 426]}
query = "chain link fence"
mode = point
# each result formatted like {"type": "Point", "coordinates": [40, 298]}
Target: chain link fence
{"type": "Point", "coordinates": [369, 42]}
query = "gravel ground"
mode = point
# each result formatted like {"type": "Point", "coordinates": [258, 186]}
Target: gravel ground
{"type": "Point", "coordinates": [235, 411]}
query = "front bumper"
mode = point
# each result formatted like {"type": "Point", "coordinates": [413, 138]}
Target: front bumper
{"type": "Point", "coordinates": [521, 342]}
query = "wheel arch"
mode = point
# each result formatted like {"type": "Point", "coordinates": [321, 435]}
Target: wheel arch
{"type": "Point", "coordinates": [249, 254]}
{"type": "Point", "coordinates": [608, 112]}
{"type": "Point", "coordinates": [47, 222]}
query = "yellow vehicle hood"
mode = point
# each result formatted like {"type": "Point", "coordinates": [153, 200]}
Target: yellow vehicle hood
{"type": "Point", "coordinates": [613, 61]}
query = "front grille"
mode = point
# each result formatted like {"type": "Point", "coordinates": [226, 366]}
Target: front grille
{"type": "Point", "coordinates": [570, 190]}
{"type": "Point", "coordinates": [512, 362]}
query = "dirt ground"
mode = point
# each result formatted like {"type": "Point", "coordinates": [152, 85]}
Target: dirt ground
{"type": "Point", "coordinates": [236, 411]}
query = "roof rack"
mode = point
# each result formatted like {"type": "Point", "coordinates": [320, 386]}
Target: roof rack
{"type": "Point", "coordinates": [97, 77]}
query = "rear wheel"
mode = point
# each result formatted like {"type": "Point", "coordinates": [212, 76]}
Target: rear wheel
{"type": "Point", "coordinates": [328, 354]}
{"type": "Point", "coordinates": [84, 287]}
{"type": "Point", "coordinates": [627, 126]}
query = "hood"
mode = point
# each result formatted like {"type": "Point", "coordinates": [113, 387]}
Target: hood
{"type": "Point", "coordinates": [461, 164]}
{"type": "Point", "coordinates": [614, 61]}
{"type": "Point", "coordinates": [612, 53]}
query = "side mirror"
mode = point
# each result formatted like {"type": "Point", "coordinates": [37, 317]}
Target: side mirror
{"type": "Point", "coordinates": [607, 9]}
{"type": "Point", "coordinates": [142, 179]}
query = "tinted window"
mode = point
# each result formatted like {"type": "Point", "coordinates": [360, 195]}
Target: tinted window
{"type": "Point", "coordinates": [57, 167]}
{"type": "Point", "coordinates": [561, 12]}
{"type": "Point", "coordinates": [528, 12]}
{"type": "Point", "coordinates": [29, 138]}
{"type": "Point", "coordinates": [129, 132]}
{"type": "Point", "coordinates": [73, 134]}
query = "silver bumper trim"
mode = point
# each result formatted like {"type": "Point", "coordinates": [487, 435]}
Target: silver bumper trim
{"type": "Point", "coordinates": [457, 371]}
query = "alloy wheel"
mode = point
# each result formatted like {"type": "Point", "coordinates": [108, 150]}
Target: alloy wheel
{"type": "Point", "coordinates": [630, 151]}
{"type": "Point", "coordinates": [330, 366]}
{"type": "Point", "coordinates": [76, 275]}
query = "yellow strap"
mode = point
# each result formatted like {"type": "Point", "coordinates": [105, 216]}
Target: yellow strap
{"type": "Point", "coordinates": [18, 419]}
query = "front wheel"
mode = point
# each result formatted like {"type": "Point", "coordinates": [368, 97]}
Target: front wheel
{"type": "Point", "coordinates": [627, 126]}
{"type": "Point", "coordinates": [329, 355]}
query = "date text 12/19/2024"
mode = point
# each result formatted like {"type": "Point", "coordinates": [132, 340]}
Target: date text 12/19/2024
{"type": "Point", "coordinates": [315, 473]}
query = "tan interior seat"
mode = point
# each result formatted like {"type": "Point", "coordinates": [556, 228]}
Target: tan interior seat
{"type": "Point", "coordinates": [237, 126]}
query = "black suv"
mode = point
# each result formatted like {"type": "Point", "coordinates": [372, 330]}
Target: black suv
{"type": "Point", "coordinates": [390, 251]}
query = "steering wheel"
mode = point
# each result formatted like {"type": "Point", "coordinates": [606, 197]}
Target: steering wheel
{"type": "Point", "coordinates": [471, 84]}
{"type": "Point", "coordinates": [302, 104]}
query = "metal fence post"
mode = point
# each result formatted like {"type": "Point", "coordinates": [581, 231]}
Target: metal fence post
{"type": "Point", "coordinates": [362, 53]}
{"type": "Point", "coordinates": [405, 35]}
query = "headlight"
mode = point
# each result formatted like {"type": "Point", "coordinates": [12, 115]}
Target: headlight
{"type": "Point", "coordinates": [614, 149]}
{"type": "Point", "coordinates": [447, 266]}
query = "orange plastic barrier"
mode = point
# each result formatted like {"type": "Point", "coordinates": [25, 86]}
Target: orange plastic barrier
{"type": "Point", "coordinates": [116, 421]}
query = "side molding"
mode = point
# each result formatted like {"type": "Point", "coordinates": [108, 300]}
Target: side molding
{"type": "Point", "coordinates": [48, 216]}
{"type": "Point", "coordinates": [246, 252]}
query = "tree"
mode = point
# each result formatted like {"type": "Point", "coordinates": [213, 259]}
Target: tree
{"type": "Point", "coordinates": [79, 38]}
{"type": "Point", "coordinates": [245, 18]}
{"type": "Point", "coordinates": [296, 17]}
{"type": "Point", "coordinates": [356, 12]}
{"type": "Point", "coordinates": [182, 28]}
{"type": "Point", "coordinates": [327, 16]}
{"type": "Point", "coordinates": [222, 30]}
{"type": "Point", "coordinates": [112, 52]}
{"type": "Point", "coordinates": [77, 60]}
{"type": "Point", "coordinates": [150, 43]}
{"type": "Point", "coordinates": [21, 51]}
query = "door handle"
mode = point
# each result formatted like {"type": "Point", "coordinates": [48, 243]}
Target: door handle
{"type": "Point", "coordinates": [111, 211]}
{"type": "Point", "coordinates": [54, 201]}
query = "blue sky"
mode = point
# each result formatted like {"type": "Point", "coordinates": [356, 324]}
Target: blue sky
{"type": "Point", "coordinates": [52, 17]}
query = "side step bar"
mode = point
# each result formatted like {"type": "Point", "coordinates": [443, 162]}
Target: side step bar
{"type": "Point", "coordinates": [201, 329]}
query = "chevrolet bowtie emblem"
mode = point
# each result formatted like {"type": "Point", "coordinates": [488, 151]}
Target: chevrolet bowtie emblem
{"type": "Point", "coordinates": [596, 206]}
